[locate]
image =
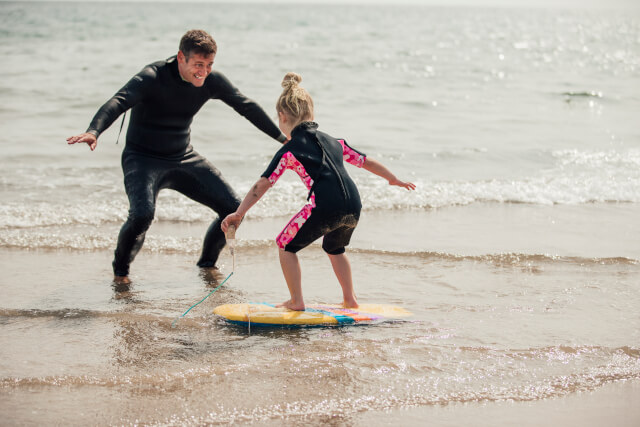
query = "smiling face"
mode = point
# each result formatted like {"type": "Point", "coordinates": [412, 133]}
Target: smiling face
{"type": "Point", "coordinates": [195, 68]}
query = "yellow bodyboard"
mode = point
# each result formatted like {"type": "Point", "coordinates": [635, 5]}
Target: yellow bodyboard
{"type": "Point", "coordinates": [313, 315]}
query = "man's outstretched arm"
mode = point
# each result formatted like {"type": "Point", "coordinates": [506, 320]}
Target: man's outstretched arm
{"type": "Point", "coordinates": [246, 107]}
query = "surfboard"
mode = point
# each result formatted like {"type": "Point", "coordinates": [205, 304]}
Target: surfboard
{"type": "Point", "coordinates": [265, 314]}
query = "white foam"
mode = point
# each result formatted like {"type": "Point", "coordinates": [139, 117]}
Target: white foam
{"type": "Point", "coordinates": [576, 177]}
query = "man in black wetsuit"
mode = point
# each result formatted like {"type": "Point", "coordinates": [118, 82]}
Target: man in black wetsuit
{"type": "Point", "coordinates": [163, 99]}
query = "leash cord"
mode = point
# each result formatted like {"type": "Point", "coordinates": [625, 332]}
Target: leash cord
{"type": "Point", "coordinates": [173, 324]}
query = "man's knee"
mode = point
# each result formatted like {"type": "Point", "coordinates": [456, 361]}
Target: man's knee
{"type": "Point", "coordinates": [140, 219]}
{"type": "Point", "coordinates": [233, 206]}
{"type": "Point", "coordinates": [236, 204]}
{"type": "Point", "coordinates": [229, 208]}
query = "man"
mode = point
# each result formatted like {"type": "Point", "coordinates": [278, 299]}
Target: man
{"type": "Point", "coordinates": [163, 99]}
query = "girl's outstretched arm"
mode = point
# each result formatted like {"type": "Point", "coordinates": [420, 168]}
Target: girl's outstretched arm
{"type": "Point", "coordinates": [257, 191]}
{"type": "Point", "coordinates": [381, 170]}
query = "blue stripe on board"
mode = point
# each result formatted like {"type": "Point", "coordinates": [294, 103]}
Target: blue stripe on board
{"type": "Point", "coordinates": [294, 326]}
{"type": "Point", "coordinates": [341, 318]}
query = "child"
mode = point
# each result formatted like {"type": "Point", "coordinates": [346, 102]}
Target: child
{"type": "Point", "coordinates": [333, 206]}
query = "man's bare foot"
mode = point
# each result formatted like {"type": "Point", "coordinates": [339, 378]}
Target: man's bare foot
{"type": "Point", "coordinates": [209, 268]}
{"type": "Point", "coordinates": [121, 285]}
{"type": "Point", "coordinates": [121, 280]}
{"type": "Point", "coordinates": [291, 306]}
{"type": "Point", "coordinates": [211, 276]}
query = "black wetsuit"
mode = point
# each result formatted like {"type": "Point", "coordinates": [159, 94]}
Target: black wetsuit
{"type": "Point", "coordinates": [158, 152]}
{"type": "Point", "coordinates": [333, 207]}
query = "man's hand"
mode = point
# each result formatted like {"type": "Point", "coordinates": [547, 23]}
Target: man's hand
{"type": "Point", "coordinates": [88, 138]}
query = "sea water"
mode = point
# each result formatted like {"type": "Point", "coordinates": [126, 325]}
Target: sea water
{"type": "Point", "coordinates": [519, 252]}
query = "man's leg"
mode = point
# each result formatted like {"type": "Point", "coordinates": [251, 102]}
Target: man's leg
{"type": "Point", "coordinates": [214, 242]}
{"type": "Point", "coordinates": [201, 181]}
{"type": "Point", "coordinates": [142, 190]}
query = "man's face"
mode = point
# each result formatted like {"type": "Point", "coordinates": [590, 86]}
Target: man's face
{"type": "Point", "coordinates": [196, 68]}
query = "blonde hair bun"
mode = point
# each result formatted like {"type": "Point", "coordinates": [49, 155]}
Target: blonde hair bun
{"type": "Point", "coordinates": [295, 101]}
{"type": "Point", "coordinates": [291, 79]}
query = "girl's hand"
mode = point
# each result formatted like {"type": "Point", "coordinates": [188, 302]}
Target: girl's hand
{"type": "Point", "coordinates": [408, 185]}
{"type": "Point", "coordinates": [231, 219]}
{"type": "Point", "coordinates": [377, 168]}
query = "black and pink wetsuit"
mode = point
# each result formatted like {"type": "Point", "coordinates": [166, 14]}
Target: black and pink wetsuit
{"type": "Point", "coordinates": [333, 207]}
{"type": "Point", "coordinates": [158, 152]}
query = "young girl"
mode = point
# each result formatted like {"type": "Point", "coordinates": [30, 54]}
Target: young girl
{"type": "Point", "coordinates": [333, 206]}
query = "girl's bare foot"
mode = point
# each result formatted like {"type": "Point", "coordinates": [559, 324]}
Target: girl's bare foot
{"type": "Point", "coordinates": [292, 306]}
{"type": "Point", "coordinates": [350, 303]}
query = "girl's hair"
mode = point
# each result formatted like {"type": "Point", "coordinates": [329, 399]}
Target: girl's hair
{"type": "Point", "coordinates": [295, 101]}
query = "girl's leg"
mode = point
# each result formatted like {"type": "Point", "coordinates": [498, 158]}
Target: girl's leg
{"type": "Point", "coordinates": [342, 268]}
{"type": "Point", "coordinates": [293, 276]}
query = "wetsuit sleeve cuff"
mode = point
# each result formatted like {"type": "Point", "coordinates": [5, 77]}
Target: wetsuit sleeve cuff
{"type": "Point", "coordinates": [282, 138]}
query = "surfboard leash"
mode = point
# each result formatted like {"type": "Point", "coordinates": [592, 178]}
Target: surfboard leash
{"type": "Point", "coordinates": [230, 237]}
{"type": "Point", "coordinates": [173, 324]}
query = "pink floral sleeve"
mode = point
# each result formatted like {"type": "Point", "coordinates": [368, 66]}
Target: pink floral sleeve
{"type": "Point", "coordinates": [289, 161]}
{"type": "Point", "coordinates": [352, 156]}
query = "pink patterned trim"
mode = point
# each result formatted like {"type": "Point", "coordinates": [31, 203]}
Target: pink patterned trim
{"type": "Point", "coordinates": [292, 228]}
{"type": "Point", "coordinates": [351, 156]}
{"type": "Point", "coordinates": [289, 161]}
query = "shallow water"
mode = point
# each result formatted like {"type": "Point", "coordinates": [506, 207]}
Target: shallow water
{"type": "Point", "coordinates": [509, 327]}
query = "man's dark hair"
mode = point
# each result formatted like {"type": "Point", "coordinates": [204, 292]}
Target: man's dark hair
{"type": "Point", "coordinates": [197, 41]}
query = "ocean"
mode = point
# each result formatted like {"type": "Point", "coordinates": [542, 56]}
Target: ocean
{"type": "Point", "coordinates": [518, 254]}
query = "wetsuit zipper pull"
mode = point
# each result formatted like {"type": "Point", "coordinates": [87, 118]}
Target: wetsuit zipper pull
{"type": "Point", "coordinates": [121, 126]}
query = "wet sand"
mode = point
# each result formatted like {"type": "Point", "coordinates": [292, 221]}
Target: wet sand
{"type": "Point", "coordinates": [509, 327]}
{"type": "Point", "coordinates": [612, 404]}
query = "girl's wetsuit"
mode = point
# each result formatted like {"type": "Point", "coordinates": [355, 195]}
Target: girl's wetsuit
{"type": "Point", "coordinates": [158, 152]}
{"type": "Point", "coordinates": [333, 207]}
